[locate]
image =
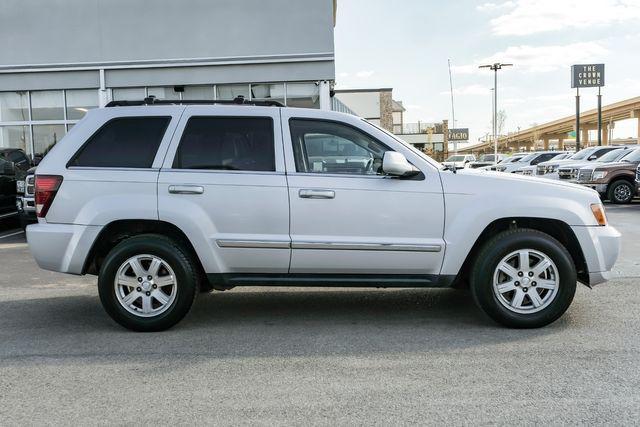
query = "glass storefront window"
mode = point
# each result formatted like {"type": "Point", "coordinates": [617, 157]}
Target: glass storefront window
{"type": "Point", "coordinates": [129, 94]}
{"type": "Point", "coordinates": [305, 95]}
{"type": "Point", "coordinates": [14, 106]}
{"type": "Point", "coordinates": [46, 136]}
{"type": "Point", "coordinates": [80, 101]}
{"type": "Point", "coordinates": [232, 91]}
{"type": "Point", "coordinates": [15, 137]}
{"type": "Point", "coordinates": [163, 93]}
{"type": "Point", "coordinates": [268, 92]}
{"type": "Point", "coordinates": [198, 92]}
{"type": "Point", "coordinates": [47, 105]}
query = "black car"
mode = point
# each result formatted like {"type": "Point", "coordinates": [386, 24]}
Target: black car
{"type": "Point", "coordinates": [14, 165]}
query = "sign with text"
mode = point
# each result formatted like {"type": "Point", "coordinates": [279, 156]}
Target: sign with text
{"type": "Point", "coordinates": [460, 134]}
{"type": "Point", "coordinates": [587, 75]}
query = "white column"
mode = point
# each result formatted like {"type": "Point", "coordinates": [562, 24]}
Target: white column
{"type": "Point", "coordinates": [325, 97]}
{"type": "Point", "coordinates": [103, 93]}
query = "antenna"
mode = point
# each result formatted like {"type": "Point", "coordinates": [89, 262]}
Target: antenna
{"type": "Point", "coordinates": [453, 112]}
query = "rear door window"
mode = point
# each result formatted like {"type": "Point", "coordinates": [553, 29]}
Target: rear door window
{"type": "Point", "coordinates": [125, 142]}
{"type": "Point", "coordinates": [227, 143]}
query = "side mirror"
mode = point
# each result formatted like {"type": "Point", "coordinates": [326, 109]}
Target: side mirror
{"type": "Point", "coordinates": [396, 164]}
{"type": "Point", "coordinates": [592, 157]}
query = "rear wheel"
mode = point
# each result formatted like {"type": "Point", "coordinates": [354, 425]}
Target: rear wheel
{"type": "Point", "coordinates": [523, 279]}
{"type": "Point", "coordinates": [621, 192]}
{"type": "Point", "coordinates": [147, 283]}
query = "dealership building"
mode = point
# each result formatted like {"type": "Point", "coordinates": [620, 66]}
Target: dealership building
{"type": "Point", "coordinates": [63, 57]}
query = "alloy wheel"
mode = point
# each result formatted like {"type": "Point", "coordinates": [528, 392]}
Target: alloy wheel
{"type": "Point", "coordinates": [526, 281]}
{"type": "Point", "coordinates": [145, 285]}
{"type": "Point", "coordinates": [622, 193]}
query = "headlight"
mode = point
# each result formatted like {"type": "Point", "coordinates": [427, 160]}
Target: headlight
{"type": "Point", "coordinates": [501, 168]}
{"type": "Point", "coordinates": [598, 213]}
{"type": "Point", "coordinates": [599, 174]}
{"type": "Point", "coordinates": [551, 168]}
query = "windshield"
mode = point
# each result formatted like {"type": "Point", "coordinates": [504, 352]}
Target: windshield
{"type": "Point", "coordinates": [487, 157]}
{"type": "Point", "coordinates": [614, 155]}
{"type": "Point", "coordinates": [582, 154]}
{"type": "Point", "coordinates": [560, 156]}
{"type": "Point", "coordinates": [633, 156]}
{"type": "Point", "coordinates": [455, 159]}
{"type": "Point", "coordinates": [529, 157]}
{"type": "Point", "coordinates": [511, 159]}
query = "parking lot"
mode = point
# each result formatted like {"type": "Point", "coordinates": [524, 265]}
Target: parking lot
{"type": "Point", "coordinates": [284, 355]}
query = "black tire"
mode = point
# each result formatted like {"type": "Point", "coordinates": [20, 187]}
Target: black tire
{"type": "Point", "coordinates": [621, 192]}
{"type": "Point", "coordinates": [185, 275]}
{"type": "Point", "coordinates": [500, 246]}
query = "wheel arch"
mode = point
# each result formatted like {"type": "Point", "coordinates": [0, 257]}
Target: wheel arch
{"type": "Point", "coordinates": [557, 229]}
{"type": "Point", "coordinates": [117, 231]}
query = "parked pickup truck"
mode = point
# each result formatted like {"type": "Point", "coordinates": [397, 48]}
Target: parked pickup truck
{"type": "Point", "coordinates": [161, 201]}
{"type": "Point", "coordinates": [613, 181]}
{"type": "Point", "coordinates": [25, 200]}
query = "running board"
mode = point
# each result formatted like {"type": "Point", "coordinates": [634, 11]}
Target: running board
{"type": "Point", "coordinates": [229, 280]}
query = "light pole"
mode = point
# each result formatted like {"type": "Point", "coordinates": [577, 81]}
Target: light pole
{"type": "Point", "coordinates": [495, 67]}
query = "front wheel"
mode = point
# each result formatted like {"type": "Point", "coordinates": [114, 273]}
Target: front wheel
{"type": "Point", "coordinates": [621, 192]}
{"type": "Point", "coordinates": [523, 279]}
{"type": "Point", "coordinates": [147, 283]}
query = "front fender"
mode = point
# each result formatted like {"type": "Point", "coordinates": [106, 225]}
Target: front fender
{"type": "Point", "coordinates": [473, 202]}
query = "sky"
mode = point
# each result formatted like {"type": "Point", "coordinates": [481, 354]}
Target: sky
{"type": "Point", "coordinates": [405, 44]}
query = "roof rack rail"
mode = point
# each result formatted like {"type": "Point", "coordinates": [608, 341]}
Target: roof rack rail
{"type": "Point", "coordinates": [151, 100]}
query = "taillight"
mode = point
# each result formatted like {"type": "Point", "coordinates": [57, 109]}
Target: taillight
{"type": "Point", "coordinates": [46, 188]}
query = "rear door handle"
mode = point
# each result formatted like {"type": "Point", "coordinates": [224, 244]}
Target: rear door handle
{"type": "Point", "coordinates": [317, 194]}
{"type": "Point", "coordinates": [186, 189]}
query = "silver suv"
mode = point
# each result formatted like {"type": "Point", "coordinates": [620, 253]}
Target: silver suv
{"type": "Point", "coordinates": [161, 201]}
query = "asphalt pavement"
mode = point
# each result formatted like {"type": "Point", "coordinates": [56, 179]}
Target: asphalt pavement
{"type": "Point", "coordinates": [317, 356]}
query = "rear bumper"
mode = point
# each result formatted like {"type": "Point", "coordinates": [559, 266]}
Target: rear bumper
{"type": "Point", "coordinates": [600, 246]}
{"type": "Point", "coordinates": [61, 247]}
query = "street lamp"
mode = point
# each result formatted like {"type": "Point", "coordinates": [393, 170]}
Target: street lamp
{"type": "Point", "coordinates": [495, 67]}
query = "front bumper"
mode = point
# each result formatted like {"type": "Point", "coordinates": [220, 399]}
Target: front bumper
{"type": "Point", "coordinates": [26, 207]}
{"type": "Point", "coordinates": [600, 246]}
{"type": "Point", "coordinates": [61, 247]}
{"type": "Point", "coordinates": [600, 188]}
{"type": "Point", "coordinates": [550, 175]}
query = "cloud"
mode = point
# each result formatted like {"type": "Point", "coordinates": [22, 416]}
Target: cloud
{"type": "Point", "coordinates": [489, 7]}
{"type": "Point", "coordinates": [537, 16]}
{"type": "Point", "coordinates": [364, 74]}
{"type": "Point", "coordinates": [469, 90]}
{"type": "Point", "coordinates": [540, 58]}
{"type": "Point", "coordinates": [343, 75]}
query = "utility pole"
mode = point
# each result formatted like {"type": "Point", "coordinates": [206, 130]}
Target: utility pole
{"type": "Point", "coordinates": [453, 112]}
{"type": "Point", "coordinates": [495, 67]}
{"type": "Point", "coordinates": [599, 117]}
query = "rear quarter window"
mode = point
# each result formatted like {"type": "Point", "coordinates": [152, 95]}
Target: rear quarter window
{"type": "Point", "coordinates": [125, 142]}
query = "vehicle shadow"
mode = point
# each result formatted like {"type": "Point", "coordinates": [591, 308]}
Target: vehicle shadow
{"type": "Point", "coordinates": [263, 324]}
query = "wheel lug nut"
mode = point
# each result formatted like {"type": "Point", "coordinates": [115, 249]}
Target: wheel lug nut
{"type": "Point", "coordinates": [530, 273]}
{"type": "Point", "coordinates": [138, 289]}
{"type": "Point", "coordinates": [148, 293]}
{"type": "Point", "coordinates": [520, 273]}
{"type": "Point", "coordinates": [517, 283]}
{"type": "Point", "coordinates": [155, 286]}
{"type": "Point", "coordinates": [533, 283]}
{"type": "Point", "coordinates": [149, 277]}
{"type": "Point", "coordinates": [139, 279]}
{"type": "Point", "coordinates": [525, 289]}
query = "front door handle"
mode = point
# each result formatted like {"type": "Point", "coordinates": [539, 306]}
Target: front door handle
{"type": "Point", "coordinates": [317, 194]}
{"type": "Point", "coordinates": [186, 189]}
